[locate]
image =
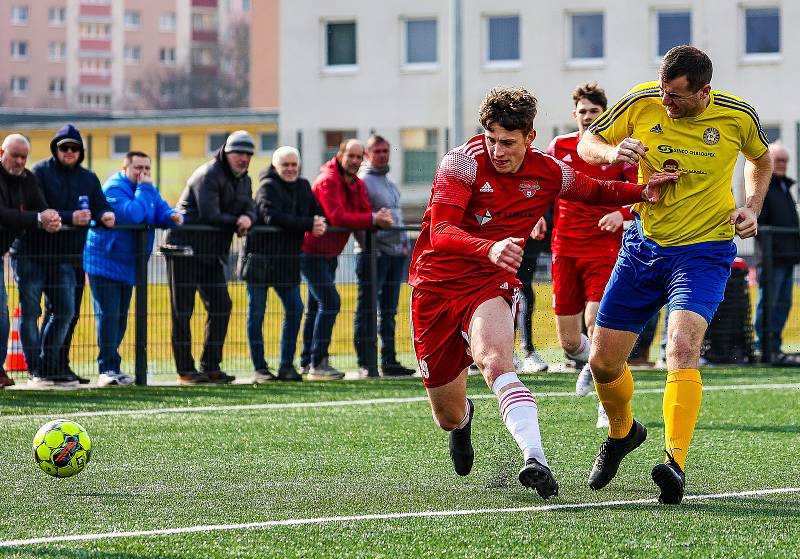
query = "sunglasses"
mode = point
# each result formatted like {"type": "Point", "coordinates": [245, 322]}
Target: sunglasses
{"type": "Point", "coordinates": [69, 147]}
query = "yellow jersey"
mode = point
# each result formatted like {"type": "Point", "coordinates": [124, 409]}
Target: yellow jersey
{"type": "Point", "coordinates": [703, 149]}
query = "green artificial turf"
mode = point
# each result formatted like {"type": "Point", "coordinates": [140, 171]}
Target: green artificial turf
{"type": "Point", "coordinates": [240, 465]}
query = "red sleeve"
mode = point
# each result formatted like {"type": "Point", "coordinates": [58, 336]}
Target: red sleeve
{"type": "Point", "coordinates": [447, 236]}
{"type": "Point", "coordinates": [626, 213]}
{"type": "Point", "coordinates": [331, 196]}
{"type": "Point", "coordinates": [579, 187]}
{"type": "Point", "coordinates": [631, 172]}
{"type": "Point", "coordinates": [551, 148]}
{"type": "Point", "coordinates": [454, 179]}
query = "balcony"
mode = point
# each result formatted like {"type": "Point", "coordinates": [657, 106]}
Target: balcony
{"type": "Point", "coordinates": [98, 10]}
{"type": "Point", "coordinates": [204, 3]}
{"type": "Point", "coordinates": [95, 45]}
{"type": "Point", "coordinates": [203, 36]}
{"type": "Point", "coordinates": [95, 81]}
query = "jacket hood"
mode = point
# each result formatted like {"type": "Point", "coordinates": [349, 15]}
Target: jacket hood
{"type": "Point", "coordinates": [67, 131]}
{"type": "Point", "coordinates": [332, 168]}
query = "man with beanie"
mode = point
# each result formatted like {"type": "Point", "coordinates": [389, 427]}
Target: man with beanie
{"type": "Point", "coordinates": [391, 247]}
{"type": "Point", "coordinates": [218, 193]}
{"type": "Point", "coordinates": [53, 265]}
{"type": "Point", "coordinates": [22, 207]}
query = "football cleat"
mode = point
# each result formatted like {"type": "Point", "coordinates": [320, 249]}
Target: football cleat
{"type": "Point", "coordinates": [602, 417]}
{"type": "Point", "coordinates": [612, 451]}
{"type": "Point", "coordinates": [539, 477]}
{"type": "Point", "coordinates": [584, 385]}
{"type": "Point", "coordinates": [671, 480]}
{"type": "Point", "coordinates": [534, 363]}
{"type": "Point", "coordinates": [461, 451]}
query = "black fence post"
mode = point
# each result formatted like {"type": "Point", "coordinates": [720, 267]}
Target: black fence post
{"type": "Point", "coordinates": [371, 273]}
{"type": "Point", "coordinates": [767, 287]}
{"type": "Point", "coordinates": [141, 306]}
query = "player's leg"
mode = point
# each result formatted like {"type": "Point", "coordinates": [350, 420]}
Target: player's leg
{"type": "Point", "coordinates": [452, 411]}
{"type": "Point", "coordinates": [568, 304]}
{"type": "Point", "coordinates": [491, 334]}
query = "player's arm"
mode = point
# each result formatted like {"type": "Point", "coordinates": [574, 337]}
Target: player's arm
{"type": "Point", "coordinates": [757, 173]}
{"type": "Point", "coordinates": [596, 151]}
{"type": "Point", "coordinates": [582, 188]}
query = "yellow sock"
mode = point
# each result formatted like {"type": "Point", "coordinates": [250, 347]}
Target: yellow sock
{"type": "Point", "coordinates": [682, 397]}
{"type": "Point", "coordinates": [616, 398]}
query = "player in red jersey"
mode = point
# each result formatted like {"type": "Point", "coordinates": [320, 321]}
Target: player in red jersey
{"type": "Point", "coordinates": [586, 240]}
{"type": "Point", "coordinates": [487, 195]}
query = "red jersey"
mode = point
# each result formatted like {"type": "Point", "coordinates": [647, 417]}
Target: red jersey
{"type": "Point", "coordinates": [575, 230]}
{"type": "Point", "coordinates": [451, 258]}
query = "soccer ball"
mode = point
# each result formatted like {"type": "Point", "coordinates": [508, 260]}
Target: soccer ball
{"type": "Point", "coordinates": [62, 448]}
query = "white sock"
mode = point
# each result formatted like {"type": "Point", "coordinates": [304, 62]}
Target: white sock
{"type": "Point", "coordinates": [466, 417]}
{"type": "Point", "coordinates": [520, 415]}
{"type": "Point", "coordinates": [583, 351]}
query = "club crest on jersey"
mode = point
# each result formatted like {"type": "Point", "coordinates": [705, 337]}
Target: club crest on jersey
{"type": "Point", "coordinates": [529, 189]}
{"type": "Point", "coordinates": [657, 129]}
{"type": "Point", "coordinates": [711, 136]}
{"type": "Point", "coordinates": [487, 187]}
{"type": "Point", "coordinates": [567, 158]}
{"type": "Point", "coordinates": [485, 218]}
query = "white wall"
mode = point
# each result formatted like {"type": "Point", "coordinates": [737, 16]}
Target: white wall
{"type": "Point", "coordinates": [380, 95]}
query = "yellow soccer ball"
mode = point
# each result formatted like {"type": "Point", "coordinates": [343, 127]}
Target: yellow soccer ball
{"type": "Point", "coordinates": [62, 448]}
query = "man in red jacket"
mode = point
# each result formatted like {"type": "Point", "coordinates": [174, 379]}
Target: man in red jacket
{"type": "Point", "coordinates": [343, 197]}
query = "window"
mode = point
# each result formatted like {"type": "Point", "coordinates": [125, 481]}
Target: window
{"type": "Point", "coordinates": [95, 31]}
{"type": "Point", "coordinates": [94, 101]}
{"type": "Point", "coordinates": [204, 21]}
{"type": "Point", "coordinates": [19, 85]}
{"type": "Point", "coordinates": [762, 30]}
{"type": "Point", "coordinates": [205, 56]}
{"type": "Point", "coordinates": [332, 140]}
{"type": "Point", "coordinates": [57, 51]}
{"type": "Point", "coordinates": [673, 29]}
{"type": "Point", "coordinates": [56, 87]}
{"type": "Point", "coordinates": [56, 16]}
{"type": "Point", "coordinates": [772, 132]}
{"type": "Point", "coordinates": [120, 144]}
{"type": "Point", "coordinates": [420, 41]}
{"type": "Point", "coordinates": [166, 56]}
{"type": "Point", "coordinates": [215, 141]}
{"type": "Point", "coordinates": [133, 19]}
{"type": "Point", "coordinates": [245, 5]}
{"type": "Point", "coordinates": [269, 142]}
{"type": "Point", "coordinates": [420, 154]}
{"type": "Point", "coordinates": [170, 144]}
{"type": "Point", "coordinates": [19, 15]}
{"type": "Point", "coordinates": [97, 66]}
{"type": "Point", "coordinates": [19, 50]}
{"type": "Point", "coordinates": [166, 22]}
{"type": "Point", "coordinates": [587, 36]}
{"type": "Point", "coordinates": [340, 41]}
{"type": "Point", "coordinates": [503, 39]}
{"type": "Point", "coordinates": [132, 54]}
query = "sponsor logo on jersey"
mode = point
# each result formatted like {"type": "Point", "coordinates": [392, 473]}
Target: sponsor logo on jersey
{"type": "Point", "coordinates": [487, 187]}
{"type": "Point", "coordinates": [567, 158]}
{"type": "Point", "coordinates": [504, 285]}
{"type": "Point", "coordinates": [665, 148]}
{"type": "Point", "coordinates": [529, 188]}
{"type": "Point", "coordinates": [711, 136]}
{"type": "Point", "coordinates": [672, 166]}
{"type": "Point", "coordinates": [657, 129]}
{"type": "Point", "coordinates": [485, 218]}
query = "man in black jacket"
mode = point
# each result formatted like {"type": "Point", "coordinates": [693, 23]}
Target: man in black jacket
{"type": "Point", "coordinates": [53, 266]}
{"type": "Point", "coordinates": [284, 199]}
{"type": "Point", "coordinates": [22, 207]}
{"type": "Point", "coordinates": [218, 193]}
{"type": "Point", "coordinates": [779, 210]}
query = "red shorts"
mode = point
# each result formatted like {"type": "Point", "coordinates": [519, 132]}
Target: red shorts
{"type": "Point", "coordinates": [576, 281]}
{"type": "Point", "coordinates": [439, 330]}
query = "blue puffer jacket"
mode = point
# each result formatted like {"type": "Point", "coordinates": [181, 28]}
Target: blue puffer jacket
{"type": "Point", "coordinates": [111, 253]}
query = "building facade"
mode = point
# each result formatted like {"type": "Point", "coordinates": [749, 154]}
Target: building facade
{"type": "Point", "coordinates": [347, 70]}
{"type": "Point", "coordinates": [98, 55]}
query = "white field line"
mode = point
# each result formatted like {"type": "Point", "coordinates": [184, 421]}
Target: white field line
{"type": "Point", "coordinates": [387, 516]}
{"type": "Point", "coordinates": [369, 402]}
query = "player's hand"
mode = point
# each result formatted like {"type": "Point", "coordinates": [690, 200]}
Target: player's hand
{"type": "Point", "coordinates": [177, 218]}
{"type": "Point", "coordinates": [507, 254]}
{"type": "Point", "coordinates": [81, 217]}
{"type": "Point", "coordinates": [611, 222]}
{"type": "Point", "coordinates": [50, 220]}
{"type": "Point", "coordinates": [108, 219]}
{"type": "Point", "coordinates": [652, 190]}
{"type": "Point", "coordinates": [383, 218]}
{"type": "Point", "coordinates": [145, 178]}
{"type": "Point", "coordinates": [629, 150]}
{"type": "Point", "coordinates": [319, 227]}
{"type": "Point", "coordinates": [746, 222]}
{"type": "Point", "coordinates": [243, 224]}
{"type": "Point", "coordinates": [539, 230]}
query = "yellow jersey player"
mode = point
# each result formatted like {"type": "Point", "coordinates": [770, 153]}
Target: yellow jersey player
{"type": "Point", "coordinates": [679, 250]}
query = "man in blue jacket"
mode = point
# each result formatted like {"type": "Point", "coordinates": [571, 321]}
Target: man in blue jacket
{"type": "Point", "coordinates": [110, 257]}
{"type": "Point", "coordinates": [47, 264]}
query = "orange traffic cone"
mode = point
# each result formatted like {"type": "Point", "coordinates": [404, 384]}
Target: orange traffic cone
{"type": "Point", "coordinates": [15, 359]}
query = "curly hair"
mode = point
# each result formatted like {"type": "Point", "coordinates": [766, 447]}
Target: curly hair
{"type": "Point", "coordinates": [513, 108]}
{"type": "Point", "coordinates": [592, 93]}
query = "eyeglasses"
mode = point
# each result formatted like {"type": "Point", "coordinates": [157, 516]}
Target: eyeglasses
{"type": "Point", "coordinates": [674, 97]}
{"type": "Point", "coordinates": [69, 147]}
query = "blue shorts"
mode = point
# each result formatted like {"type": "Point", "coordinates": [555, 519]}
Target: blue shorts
{"type": "Point", "coordinates": [647, 276]}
